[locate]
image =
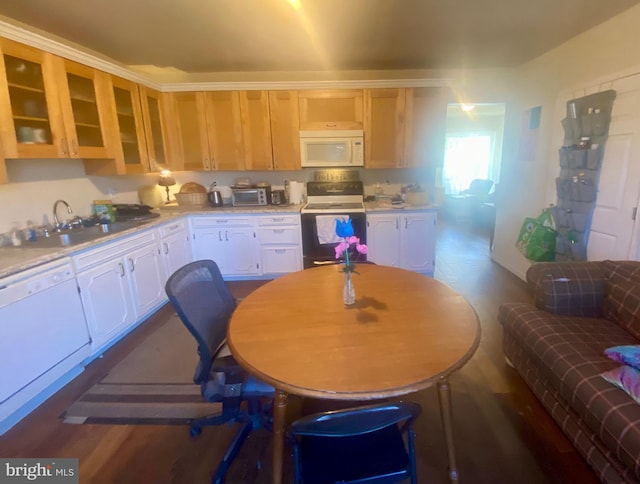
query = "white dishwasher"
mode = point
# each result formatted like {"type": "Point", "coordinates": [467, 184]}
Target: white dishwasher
{"type": "Point", "coordinates": [43, 334]}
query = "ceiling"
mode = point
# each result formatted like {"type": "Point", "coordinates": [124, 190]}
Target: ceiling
{"type": "Point", "coordinates": [198, 36]}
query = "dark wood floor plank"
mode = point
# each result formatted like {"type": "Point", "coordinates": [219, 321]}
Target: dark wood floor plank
{"type": "Point", "coordinates": [503, 434]}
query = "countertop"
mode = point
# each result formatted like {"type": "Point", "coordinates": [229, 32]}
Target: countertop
{"type": "Point", "coordinates": [17, 259]}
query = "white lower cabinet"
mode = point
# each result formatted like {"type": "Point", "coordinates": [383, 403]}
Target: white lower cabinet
{"type": "Point", "coordinates": [120, 283]}
{"type": "Point", "coordinates": [280, 243]}
{"type": "Point", "coordinates": [404, 240]}
{"type": "Point", "coordinates": [175, 246]}
{"type": "Point", "coordinates": [147, 277]}
{"type": "Point", "coordinates": [230, 241]}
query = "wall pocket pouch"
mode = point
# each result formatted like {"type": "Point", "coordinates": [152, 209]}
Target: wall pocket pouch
{"type": "Point", "coordinates": [594, 156]}
{"type": "Point", "coordinates": [562, 245]}
{"type": "Point", "coordinates": [537, 238]}
{"type": "Point", "coordinates": [564, 154]}
{"type": "Point", "coordinates": [583, 189]}
{"type": "Point", "coordinates": [571, 129]}
{"type": "Point", "coordinates": [564, 188]}
{"type": "Point", "coordinates": [578, 221]}
{"type": "Point", "coordinates": [599, 123]}
{"type": "Point", "coordinates": [578, 250]}
{"type": "Point", "coordinates": [561, 217]}
{"type": "Point", "coordinates": [577, 158]}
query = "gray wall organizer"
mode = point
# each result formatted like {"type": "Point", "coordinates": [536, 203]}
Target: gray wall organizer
{"type": "Point", "coordinates": [586, 128]}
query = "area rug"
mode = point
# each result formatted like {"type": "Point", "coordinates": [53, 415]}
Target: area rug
{"type": "Point", "coordinates": [152, 385]}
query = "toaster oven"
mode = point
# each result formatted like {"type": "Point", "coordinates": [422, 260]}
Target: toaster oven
{"type": "Point", "coordinates": [250, 196]}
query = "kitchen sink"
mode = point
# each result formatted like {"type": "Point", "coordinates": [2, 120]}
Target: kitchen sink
{"type": "Point", "coordinates": [76, 236]}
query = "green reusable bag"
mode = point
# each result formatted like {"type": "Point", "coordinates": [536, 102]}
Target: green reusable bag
{"type": "Point", "coordinates": [537, 239]}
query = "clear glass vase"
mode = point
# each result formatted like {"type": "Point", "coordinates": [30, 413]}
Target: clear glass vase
{"type": "Point", "coordinates": [348, 291]}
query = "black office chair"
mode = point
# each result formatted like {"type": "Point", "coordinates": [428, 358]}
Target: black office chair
{"type": "Point", "coordinates": [358, 445]}
{"type": "Point", "coordinates": [479, 187]}
{"type": "Point", "coordinates": [204, 304]}
{"type": "Point", "coordinates": [466, 204]}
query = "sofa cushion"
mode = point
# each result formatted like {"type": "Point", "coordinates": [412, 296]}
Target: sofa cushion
{"type": "Point", "coordinates": [569, 354]}
{"type": "Point", "coordinates": [569, 288]}
{"type": "Point", "coordinates": [622, 294]}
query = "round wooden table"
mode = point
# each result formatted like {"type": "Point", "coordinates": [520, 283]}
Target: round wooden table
{"type": "Point", "coordinates": [405, 332]}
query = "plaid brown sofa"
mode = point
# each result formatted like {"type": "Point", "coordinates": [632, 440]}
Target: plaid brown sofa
{"type": "Point", "coordinates": [557, 344]}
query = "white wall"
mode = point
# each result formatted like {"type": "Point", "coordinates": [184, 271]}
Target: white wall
{"type": "Point", "coordinates": [525, 186]}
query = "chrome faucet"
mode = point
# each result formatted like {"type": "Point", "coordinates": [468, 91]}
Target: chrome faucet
{"type": "Point", "coordinates": [57, 225]}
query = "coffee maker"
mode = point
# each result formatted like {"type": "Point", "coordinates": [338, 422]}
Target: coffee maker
{"type": "Point", "coordinates": [278, 197]}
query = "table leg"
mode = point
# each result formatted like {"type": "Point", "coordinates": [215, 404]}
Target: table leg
{"type": "Point", "coordinates": [279, 424]}
{"type": "Point", "coordinates": [444, 397]}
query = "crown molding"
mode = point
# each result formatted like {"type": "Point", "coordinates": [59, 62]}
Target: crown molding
{"type": "Point", "coordinates": [293, 85]}
{"type": "Point", "coordinates": [41, 42]}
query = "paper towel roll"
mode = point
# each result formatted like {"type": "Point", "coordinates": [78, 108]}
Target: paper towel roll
{"type": "Point", "coordinates": [296, 192]}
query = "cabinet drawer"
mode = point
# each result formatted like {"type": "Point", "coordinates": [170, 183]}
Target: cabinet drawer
{"type": "Point", "coordinates": [173, 227]}
{"type": "Point", "coordinates": [109, 250]}
{"type": "Point", "coordinates": [281, 260]}
{"type": "Point", "coordinates": [280, 235]}
{"type": "Point", "coordinates": [280, 220]}
{"type": "Point", "coordinates": [203, 222]}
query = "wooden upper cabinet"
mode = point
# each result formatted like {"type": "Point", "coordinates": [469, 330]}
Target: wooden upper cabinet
{"type": "Point", "coordinates": [31, 121]}
{"type": "Point", "coordinates": [86, 110]}
{"type": "Point", "coordinates": [224, 126]}
{"type": "Point", "coordinates": [426, 117]}
{"type": "Point", "coordinates": [4, 178]}
{"type": "Point", "coordinates": [189, 136]}
{"type": "Point", "coordinates": [155, 129]}
{"type": "Point", "coordinates": [131, 152]}
{"type": "Point", "coordinates": [331, 109]}
{"type": "Point", "coordinates": [256, 130]}
{"type": "Point", "coordinates": [285, 129]}
{"type": "Point", "coordinates": [384, 128]}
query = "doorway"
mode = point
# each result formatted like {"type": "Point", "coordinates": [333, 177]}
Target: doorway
{"type": "Point", "coordinates": [473, 145]}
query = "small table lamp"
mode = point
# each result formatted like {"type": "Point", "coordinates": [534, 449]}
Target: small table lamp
{"type": "Point", "coordinates": [166, 180]}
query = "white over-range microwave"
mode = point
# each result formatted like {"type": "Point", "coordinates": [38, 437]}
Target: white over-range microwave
{"type": "Point", "coordinates": [332, 148]}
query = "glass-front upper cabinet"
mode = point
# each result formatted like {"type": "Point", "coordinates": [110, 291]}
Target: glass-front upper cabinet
{"type": "Point", "coordinates": [51, 107]}
{"type": "Point", "coordinates": [155, 134]}
{"type": "Point", "coordinates": [31, 124]}
{"type": "Point", "coordinates": [84, 99]}
{"type": "Point", "coordinates": [132, 152]}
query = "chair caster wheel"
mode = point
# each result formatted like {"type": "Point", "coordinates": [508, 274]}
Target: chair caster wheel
{"type": "Point", "coordinates": [195, 431]}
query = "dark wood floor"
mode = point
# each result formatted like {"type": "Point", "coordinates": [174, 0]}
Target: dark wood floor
{"type": "Point", "coordinates": [502, 433]}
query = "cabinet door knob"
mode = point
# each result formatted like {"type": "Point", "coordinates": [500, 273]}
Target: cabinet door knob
{"type": "Point", "coordinates": [121, 269]}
